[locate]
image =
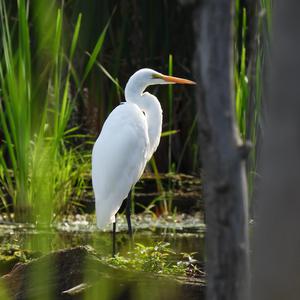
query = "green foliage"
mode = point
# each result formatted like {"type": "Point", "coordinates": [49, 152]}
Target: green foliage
{"type": "Point", "coordinates": [241, 81]}
{"type": "Point", "coordinates": [42, 172]}
{"type": "Point", "coordinates": [248, 75]}
{"type": "Point", "coordinates": [155, 259]}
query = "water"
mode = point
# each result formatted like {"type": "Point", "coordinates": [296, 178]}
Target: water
{"type": "Point", "coordinates": [184, 233]}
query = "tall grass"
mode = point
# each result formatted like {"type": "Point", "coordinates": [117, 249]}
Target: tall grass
{"type": "Point", "coordinates": [241, 78]}
{"type": "Point", "coordinates": [170, 113]}
{"type": "Point", "coordinates": [244, 100]}
{"type": "Point", "coordinates": [38, 171]}
{"type": "Point", "coordinates": [248, 73]}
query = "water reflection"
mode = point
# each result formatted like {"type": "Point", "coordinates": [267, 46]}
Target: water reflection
{"type": "Point", "coordinates": [184, 233]}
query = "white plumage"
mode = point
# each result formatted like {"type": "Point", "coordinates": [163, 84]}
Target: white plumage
{"type": "Point", "coordinates": [119, 158]}
{"type": "Point", "coordinates": [128, 139]}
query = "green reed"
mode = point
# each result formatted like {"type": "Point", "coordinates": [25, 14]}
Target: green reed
{"type": "Point", "coordinates": [248, 83]}
{"type": "Point", "coordinates": [241, 80]}
{"type": "Point", "coordinates": [38, 170]}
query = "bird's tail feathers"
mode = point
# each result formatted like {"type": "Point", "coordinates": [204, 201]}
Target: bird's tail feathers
{"type": "Point", "coordinates": [103, 221]}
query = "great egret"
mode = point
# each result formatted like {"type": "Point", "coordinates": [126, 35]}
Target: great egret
{"type": "Point", "coordinates": [129, 137]}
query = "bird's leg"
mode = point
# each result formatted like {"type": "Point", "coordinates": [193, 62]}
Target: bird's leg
{"type": "Point", "coordinates": [128, 209]}
{"type": "Point", "coordinates": [114, 239]}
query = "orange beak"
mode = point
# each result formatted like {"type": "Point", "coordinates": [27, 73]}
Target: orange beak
{"type": "Point", "coordinates": [173, 79]}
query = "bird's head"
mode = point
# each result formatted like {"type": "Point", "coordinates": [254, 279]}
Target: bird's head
{"type": "Point", "coordinates": [142, 78]}
{"type": "Point", "coordinates": [148, 77]}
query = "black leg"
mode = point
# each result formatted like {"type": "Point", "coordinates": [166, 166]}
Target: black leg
{"type": "Point", "coordinates": [114, 239]}
{"type": "Point", "coordinates": [128, 209]}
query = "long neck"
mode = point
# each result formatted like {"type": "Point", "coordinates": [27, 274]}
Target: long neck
{"type": "Point", "coordinates": [152, 109]}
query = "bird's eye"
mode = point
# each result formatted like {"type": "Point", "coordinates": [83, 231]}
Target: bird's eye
{"type": "Point", "coordinates": [144, 113]}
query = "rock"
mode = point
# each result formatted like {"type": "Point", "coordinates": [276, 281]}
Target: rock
{"type": "Point", "coordinates": [78, 273]}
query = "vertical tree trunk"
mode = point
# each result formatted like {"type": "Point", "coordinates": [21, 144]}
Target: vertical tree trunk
{"type": "Point", "coordinates": [222, 154]}
{"type": "Point", "coordinates": [277, 221]}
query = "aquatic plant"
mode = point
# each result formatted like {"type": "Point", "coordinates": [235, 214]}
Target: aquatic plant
{"type": "Point", "coordinates": [155, 259]}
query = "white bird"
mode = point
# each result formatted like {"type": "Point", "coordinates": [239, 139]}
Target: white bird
{"type": "Point", "coordinates": [128, 139]}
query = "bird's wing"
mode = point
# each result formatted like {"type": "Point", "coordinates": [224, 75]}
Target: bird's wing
{"type": "Point", "coordinates": [118, 160]}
